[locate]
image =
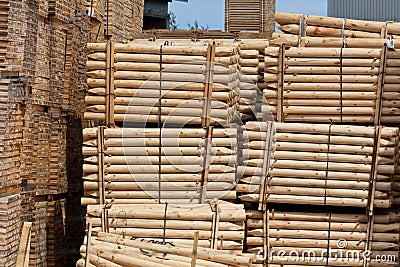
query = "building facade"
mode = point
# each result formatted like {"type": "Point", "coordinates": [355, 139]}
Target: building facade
{"type": "Point", "coordinates": [374, 10]}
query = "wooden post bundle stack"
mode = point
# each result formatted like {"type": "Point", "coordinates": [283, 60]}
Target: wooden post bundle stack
{"type": "Point", "coordinates": [311, 41]}
{"type": "Point", "coordinates": [301, 238]}
{"type": "Point", "coordinates": [326, 165]}
{"type": "Point", "coordinates": [346, 85]}
{"type": "Point", "coordinates": [10, 208]}
{"type": "Point", "coordinates": [257, 144]}
{"type": "Point", "coordinates": [220, 224]}
{"type": "Point", "coordinates": [134, 165]}
{"type": "Point", "coordinates": [311, 25]}
{"type": "Point", "coordinates": [251, 67]}
{"type": "Point", "coordinates": [115, 250]}
{"type": "Point", "coordinates": [177, 74]}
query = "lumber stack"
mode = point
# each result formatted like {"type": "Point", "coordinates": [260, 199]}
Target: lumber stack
{"type": "Point", "coordinates": [251, 67]}
{"type": "Point", "coordinates": [121, 19]}
{"type": "Point", "coordinates": [35, 103]}
{"type": "Point", "coordinates": [177, 74]}
{"type": "Point", "coordinates": [56, 234]}
{"type": "Point", "coordinates": [10, 222]}
{"type": "Point", "coordinates": [38, 250]}
{"type": "Point", "coordinates": [220, 224]}
{"type": "Point", "coordinates": [255, 16]}
{"type": "Point", "coordinates": [116, 250]}
{"type": "Point", "coordinates": [344, 85]}
{"type": "Point", "coordinates": [147, 165]}
{"type": "Point", "coordinates": [303, 232]}
{"type": "Point", "coordinates": [257, 144]}
{"type": "Point", "coordinates": [326, 165]}
{"type": "Point", "coordinates": [311, 25]}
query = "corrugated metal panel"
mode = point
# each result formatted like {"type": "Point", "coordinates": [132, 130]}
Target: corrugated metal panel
{"type": "Point", "coordinates": [375, 10]}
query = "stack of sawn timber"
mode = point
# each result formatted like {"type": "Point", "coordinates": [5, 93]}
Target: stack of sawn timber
{"type": "Point", "coordinates": [344, 85]}
{"type": "Point", "coordinates": [121, 19]}
{"type": "Point", "coordinates": [10, 221]}
{"type": "Point", "coordinates": [37, 58]}
{"type": "Point", "coordinates": [176, 74]}
{"type": "Point", "coordinates": [140, 166]}
{"type": "Point", "coordinates": [115, 250]}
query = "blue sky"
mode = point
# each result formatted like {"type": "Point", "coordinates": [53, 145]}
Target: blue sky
{"type": "Point", "coordinates": [211, 12]}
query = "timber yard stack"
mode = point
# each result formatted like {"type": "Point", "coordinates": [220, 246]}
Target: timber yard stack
{"type": "Point", "coordinates": [10, 207]}
{"type": "Point", "coordinates": [255, 16]}
{"type": "Point", "coordinates": [115, 250]}
{"type": "Point", "coordinates": [187, 153]}
{"type": "Point", "coordinates": [121, 19]}
{"type": "Point", "coordinates": [174, 141]}
{"type": "Point", "coordinates": [36, 103]}
{"type": "Point", "coordinates": [335, 146]}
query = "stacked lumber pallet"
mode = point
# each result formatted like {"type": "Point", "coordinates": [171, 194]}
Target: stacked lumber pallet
{"type": "Point", "coordinates": [38, 250]}
{"type": "Point", "coordinates": [56, 241]}
{"type": "Point", "coordinates": [220, 224]}
{"type": "Point", "coordinates": [146, 75]}
{"type": "Point", "coordinates": [349, 84]}
{"type": "Point", "coordinates": [115, 250]}
{"type": "Point", "coordinates": [35, 103]}
{"type": "Point", "coordinates": [121, 19]}
{"type": "Point", "coordinates": [146, 165]}
{"type": "Point", "coordinates": [311, 234]}
{"type": "Point", "coordinates": [325, 165]}
{"type": "Point", "coordinates": [10, 226]}
{"type": "Point", "coordinates": [255, 16]}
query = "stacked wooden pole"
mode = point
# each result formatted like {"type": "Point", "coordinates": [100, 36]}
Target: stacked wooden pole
{"type": "Point", "coordinates": [343, 84]}
{"type": "Point", "coordinates": [145, 73]}
{"type": "Point", "coordinates": [325, 165]}
{"type": "Point", "coordinates": [301, 238]}
{"type": "Point", "coordinates": [312, 25]}
{"type": "Point", "coordinates": [135, 165]}
{"type": "Point", "coordinates": [220, 224]}
{"type": "Point", "coordinates": [114, 250]}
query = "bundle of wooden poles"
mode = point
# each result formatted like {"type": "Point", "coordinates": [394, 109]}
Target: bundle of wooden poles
{"type": "Point", "coordinates": [251, 67]}
{"type": "Point", "coordinates": [257, 144]}
{"type": "Point", "coordinates": [322, 164]}
{"type": "Point", "coordinates": [311, 25]}
{"type": "Point", "coordinates": [305, 237]}
{"type": "Point", "coordinates": [148, 165]}
{"type": "Point", "coordinates": [220, 224]}
{"type": "Point", "coordinates": [107, 249]}
{"type": "Point", "coordinates": [350, 85]}
{"type": "Point", "coordinates": [155, 83]}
